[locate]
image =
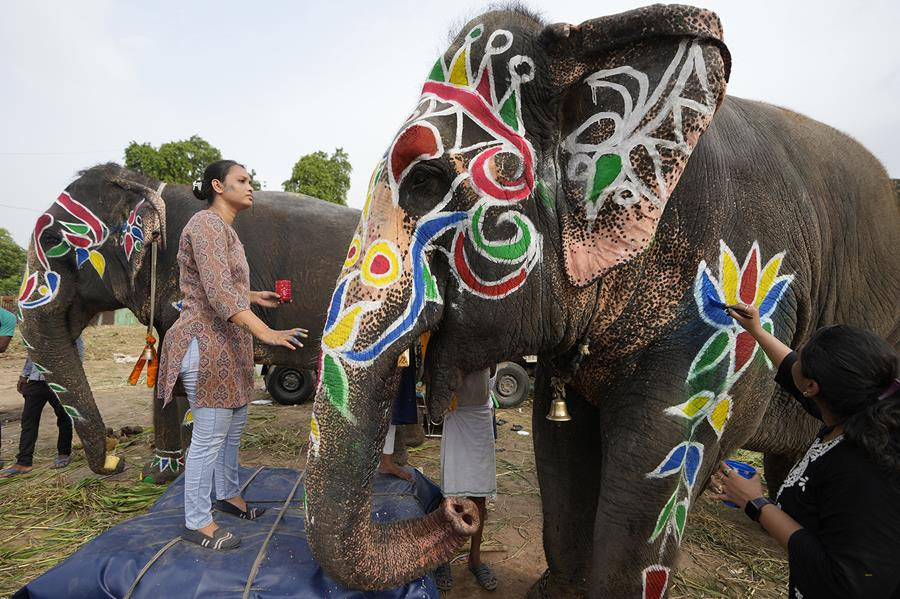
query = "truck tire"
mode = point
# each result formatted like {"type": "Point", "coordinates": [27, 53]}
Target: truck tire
{"type": "Point", "coordinates": [512, 385]}
{"type": "Point", "coordinates": [290, 386]}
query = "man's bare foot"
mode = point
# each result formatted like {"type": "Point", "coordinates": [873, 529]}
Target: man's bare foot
{"type": "Point", "coordinates": [387, 466]}
{"type": "Point", "coordinates": [15, 470]}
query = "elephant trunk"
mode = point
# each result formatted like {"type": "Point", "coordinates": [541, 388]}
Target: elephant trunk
{"type": "Point", "coordinates": [52, 348]}
{"type": "Point", "coordinates": [345, 444]}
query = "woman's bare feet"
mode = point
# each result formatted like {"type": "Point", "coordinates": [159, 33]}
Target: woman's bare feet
{"type": "Point", "coordinates": [387, 466]}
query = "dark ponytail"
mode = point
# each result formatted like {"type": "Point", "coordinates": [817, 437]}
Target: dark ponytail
{"type": "Point", "coordinates": [856, 370]}
{"type": "Point", "coordinates": [203, 189]}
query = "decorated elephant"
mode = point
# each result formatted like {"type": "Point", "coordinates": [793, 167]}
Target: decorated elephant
{"type": "Point", "coordinates": [589, 194]}
{"type": "Point", "coordinates": [91, 252]}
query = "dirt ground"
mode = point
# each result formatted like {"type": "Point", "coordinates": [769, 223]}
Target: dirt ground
{"type": "Point", "coordinates": [723, 555]}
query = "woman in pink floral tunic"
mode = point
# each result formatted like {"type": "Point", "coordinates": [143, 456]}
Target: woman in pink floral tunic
{"type": "Point", "coordinates": [211, 348]}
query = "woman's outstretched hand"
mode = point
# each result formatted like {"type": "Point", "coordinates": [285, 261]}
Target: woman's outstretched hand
{"type": "Point", "coordinates": [266, 299]}
{"type": "Point", "coordinates": [289, 338]}
{"type": "Point", "coordinates": [746, 315]}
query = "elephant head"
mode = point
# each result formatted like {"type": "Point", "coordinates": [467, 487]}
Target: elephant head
{"type": "Point", "coordinates": [85, 254]}
{"type": "Point", "coordinates": [537, 159]}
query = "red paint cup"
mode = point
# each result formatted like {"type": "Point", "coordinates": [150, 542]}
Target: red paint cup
{"type": "Point", "coordinates": [283, 289]}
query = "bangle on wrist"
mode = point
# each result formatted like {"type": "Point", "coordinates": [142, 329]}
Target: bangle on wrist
{"type": "Point", "coordinates": [754, 507]}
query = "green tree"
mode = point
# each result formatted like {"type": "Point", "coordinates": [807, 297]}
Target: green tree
{"type": "Point", "coordinates": [322, 176]}
{"type": "Point", "coordinates": [12, 264]}
{"type": "Point", "coordinates": [176, 161]}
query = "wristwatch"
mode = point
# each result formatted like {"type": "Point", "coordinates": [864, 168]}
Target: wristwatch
{"type": "Point", "coordinates": [754, 507]}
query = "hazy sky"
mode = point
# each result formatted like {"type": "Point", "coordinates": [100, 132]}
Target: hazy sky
{"type": "Point", "coordinates": [269, 81]}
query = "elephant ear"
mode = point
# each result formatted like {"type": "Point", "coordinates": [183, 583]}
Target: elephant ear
{"type": "Point", "coordinates": [633, 94]}
{"type": "Point", "coordinates": [144, 222]}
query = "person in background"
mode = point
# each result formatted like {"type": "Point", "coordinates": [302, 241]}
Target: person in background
{"type": "Point", "coordinates": [468, 465]}
{"type": "Point", "coordinates": [37, 393]}
{"type": "Point", "coordinates": [404, 412]}
{"type": "Point", "coordinates": [7, 330]}
{"type": "Point", "coordinates": [838, 511]}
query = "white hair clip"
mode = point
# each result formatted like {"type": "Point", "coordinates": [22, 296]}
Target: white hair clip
{"type": "Point", "coordinates": [197, 185]}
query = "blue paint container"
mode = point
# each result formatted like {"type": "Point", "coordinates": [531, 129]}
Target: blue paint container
{"type": "Point", "coordinates": [745, 470]}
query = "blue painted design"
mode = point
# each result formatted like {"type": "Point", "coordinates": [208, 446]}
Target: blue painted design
{"type": "Point", "coordinates": [692, 460]}
{"type": "Point", "coordinates": [672, 463]}
{"type": "Point", "coordinates": [427, 230]}
{"type": "Point", "coordinates": [767, 306]}
{"type": "Point", "coordinates": [711, 312]}
{"type": "Point", "coordinates": [81, 256]}
{"type": "Point", "coordinates": [335, 308]}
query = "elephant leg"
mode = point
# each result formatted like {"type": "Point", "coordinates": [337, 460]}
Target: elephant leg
{"type": "Point", "coordinates": [653, 469]}
{"type": "Point", "coordinates": [568, 457]}
{"type": "Point", "coordinates": [167, 460]}
{"type": "Point", "coordinates": [50, 332]}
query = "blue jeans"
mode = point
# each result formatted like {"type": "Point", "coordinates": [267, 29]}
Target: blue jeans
{"type": "Point", "coordinates": [213, 454]}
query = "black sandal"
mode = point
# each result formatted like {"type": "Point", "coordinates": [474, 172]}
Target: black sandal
{"type": "Point", "coordinates": [484, 576]}
{"type": "Point", "coordinates": [220, 540]}
{"type": "Point", "coordinates": [252, 513]}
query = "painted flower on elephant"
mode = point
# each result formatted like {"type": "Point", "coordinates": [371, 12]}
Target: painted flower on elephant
{"type": "Point", "coordinates": [81, 237]}
{"type": "Point", "coordinates": [470, 115]}
{"type": "Point", "coordinates": [760, 287]}
{"type": "Point", "coordinates": [133, 232]}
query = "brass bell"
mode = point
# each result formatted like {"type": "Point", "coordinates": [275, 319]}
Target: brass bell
{"type": "Point", "coordinates": [403, 359]}
{"type": "Point", "coordinates": [559, 412]}
{"type": "Point", "coordinates": [148, 354]}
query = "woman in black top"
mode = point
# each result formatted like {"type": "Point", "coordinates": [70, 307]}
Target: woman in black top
{"type": "Point", "coordinates": [838, 511]}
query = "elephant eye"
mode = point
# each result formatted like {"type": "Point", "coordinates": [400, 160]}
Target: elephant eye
{"type": "Point", "coordinates": [423, 187]}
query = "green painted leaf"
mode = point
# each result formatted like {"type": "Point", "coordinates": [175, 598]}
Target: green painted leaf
{"type": "Point", "coordinates": [475, 33]}
{"type": "Point", "coordinates": [58, 250]}
{"type": "Point", "coordinates": [77, 228]}
{"type": "Point", "coordinates": [72, 412]}
{"type": "Point", "coordinates": [680, 517]}
{"type": "Point", "coordinates": [431, 292]}
{"type": "Point", "coordinates": [508, 112]}
{"type": "Point", "coordinates": [544, 194]}
{"type": "Point", "coordinates": [606, 169]}
{"type": "Point", "coordinates": [437, 71]}
{"type": "Point", "coordinates": [335, 381]}
{"type": "Point", "coordinates": [664, 515]}
{"type": "Point", "coordinates": [40, 368]}
{"type": "Point", "coordinates": [26, 344]}
{"type": "Point", "coordinates": [712, 352]}
{"type": "Point", "coordinates": [57, 388]}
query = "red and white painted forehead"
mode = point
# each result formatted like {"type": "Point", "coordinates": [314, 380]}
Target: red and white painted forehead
{"type": "Point", "coordinates": [464, 97]}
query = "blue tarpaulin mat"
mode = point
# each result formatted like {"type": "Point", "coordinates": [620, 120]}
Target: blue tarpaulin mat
{"type": "Point", "coordinates": [111, 565]}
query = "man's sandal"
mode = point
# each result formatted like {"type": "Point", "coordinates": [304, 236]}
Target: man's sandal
{"type": "Point", "coordinates": [252, 513]}
{"type": "Point", "coordinates": [484, 576]}
{"type": "Point", "coordinates": [220, 540]}
{"type": "Point", "coordinates": [61, 461]}
{"type": "Point", "coordinates": [443, 577]}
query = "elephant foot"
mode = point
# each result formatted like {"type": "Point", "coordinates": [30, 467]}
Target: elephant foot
{"type": "Point", "coordinates": [163, 467]}
{"type": "Point", "coordinates": [546, 587]}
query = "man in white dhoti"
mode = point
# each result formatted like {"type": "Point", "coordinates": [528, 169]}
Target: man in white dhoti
{"type": "Point", "coordinates": [468, 465]}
